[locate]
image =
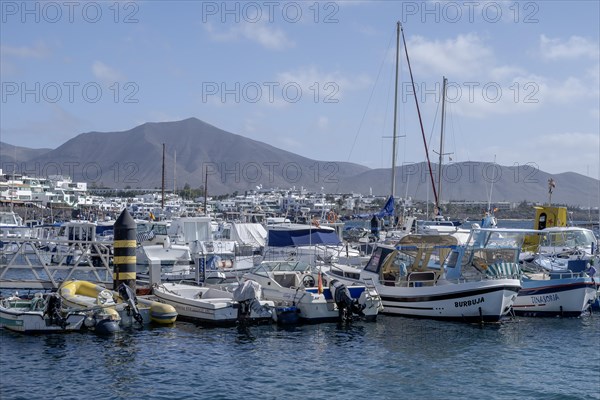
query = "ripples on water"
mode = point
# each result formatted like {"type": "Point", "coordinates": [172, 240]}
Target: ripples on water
{"type": "Point", "coordinates": [390, 359]}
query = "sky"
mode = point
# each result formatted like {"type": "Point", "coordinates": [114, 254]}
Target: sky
{"type": "Point", "coordinates": [314, 78]}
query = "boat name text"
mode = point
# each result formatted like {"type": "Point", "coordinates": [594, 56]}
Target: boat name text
{"type": "Point", "coordinates": [468, 303]}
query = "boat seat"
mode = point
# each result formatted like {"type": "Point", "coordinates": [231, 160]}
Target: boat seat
{"type": "Point", "coordinates": [286, 280]}
{"type": "Point", "coordinates": [389, 279]}
{"type": "Point", "coordinates": [503, 269]}
{"type": "Point", "coordinates": [426, 278]}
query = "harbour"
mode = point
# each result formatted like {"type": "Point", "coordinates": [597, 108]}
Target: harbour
{"type": "Point", "coordinates": [288, 200]}
{"type": "Point", "coordinates": [521, 358]}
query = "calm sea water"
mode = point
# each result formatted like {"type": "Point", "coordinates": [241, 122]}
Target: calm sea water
{"type": "Point", "coordinates": [392, 358]}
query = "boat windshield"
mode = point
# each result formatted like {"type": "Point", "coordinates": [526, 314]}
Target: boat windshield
{"type": "Point", "coordinates": [568, 238]}
{"type": "Point", "coordinates": [267, 267]}
{"type": "Point", "coordinates": [8, 219]}
{"type": "Point", "coordinates": [485, 257]}
{"type": "Point", "coordinates": [159, 229]}
{"type": "Point", "coordinates": [496, 239]}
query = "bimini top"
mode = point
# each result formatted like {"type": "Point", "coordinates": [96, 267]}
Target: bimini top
{"type": "Point", "coordinates": [301, 235]}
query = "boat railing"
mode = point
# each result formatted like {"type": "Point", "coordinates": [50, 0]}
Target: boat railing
{"type": "Point", "coordinates": [566, 274]}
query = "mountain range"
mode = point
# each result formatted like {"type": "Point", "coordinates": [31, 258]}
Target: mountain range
{"type": "Point", "coordinates": [196, 151]}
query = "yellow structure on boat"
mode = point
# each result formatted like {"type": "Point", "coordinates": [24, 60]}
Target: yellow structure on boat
{"type": "Point", "coordinates": [84, 294]}
{"type": "Point", "coordinates": [545, 217]}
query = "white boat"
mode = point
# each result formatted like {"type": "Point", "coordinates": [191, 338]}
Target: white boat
{"type": "Point", "coordinates": [431, 276]}
{"type": "Point", "coordinates": [296, 284]}
{"type": "Point", "coordinates": [215, 306]}
{"type": "Point", "coordinates": [155, 245]}
{"type": "Point", "coordinates": [564, 248]}
{"type": "Point", "coordinates": [558, 280]}
{"type": "Point", "coordinates": [230, 251]}
{"type": "Point", "coordinates": [559, 293]}
{"type": "Point", "coordinates": [41, 314]}
{"type": "Point", "coordinates": [12, 227]}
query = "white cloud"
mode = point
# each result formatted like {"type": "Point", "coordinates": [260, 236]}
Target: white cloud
{"type": "Point", "coordinates": [106, 73]}
{"type": "Point", "coordinates": [463, 56]}
{"type": "Point", "coordinates": [325, 86]}
{"type": "Point", "coordinates": [569, 151]}
{"type": "Point", "coordinates": [480, 87]}
{"type": "Point", "coordinates": [574, 47]}
{"type": "Point", "coordinates": [39, 50]}
{"type": "Point", "coordinates": [270, 38]}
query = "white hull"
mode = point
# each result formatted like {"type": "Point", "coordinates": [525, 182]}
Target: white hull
{"type": "Point", "coordinates": [312, 306]}
{"type": "Point", "coordinates": [485, 301]}
{"type": "Point", "coordinates": [35, 322]}
{"type": "Point", "coordinates": [203, 304]}
{"type": "Point", "coordinates": [555, 297]}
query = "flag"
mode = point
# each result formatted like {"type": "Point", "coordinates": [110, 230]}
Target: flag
{"type": "Point", "coordinates": [320, 284]}
{"type": "Point", "coordinates": [388, 209]}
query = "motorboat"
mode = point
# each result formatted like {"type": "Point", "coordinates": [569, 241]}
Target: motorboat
{"type": "Point", "coordinates": [559, 267]}
{"type": "Point", "coordinates": [214, 306]}
{"type": "Point", "coordinates": [155, 245]}
{"type": "Point", "coordinates": [297, 284]}
{"type": "Point", "coordinates": [432, 276]}
{"type": "Point", "coordinates": [41, 314]}
{"type": "Point", "coordinates": [558, 279]}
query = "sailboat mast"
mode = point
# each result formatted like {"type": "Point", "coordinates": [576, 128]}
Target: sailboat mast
{"type": "Point", "coordinates": [162, 191]}
{"type": "Point", "coordinates": [439, 187]}
{"type": "Point", "coordinates": [205, 190]}
{"type": "Point", "coordinates": [395, 138]}
{"type": "Point", "coordinates": [175, 172]}
{"type": "Point", "coordinates": [419, 113]}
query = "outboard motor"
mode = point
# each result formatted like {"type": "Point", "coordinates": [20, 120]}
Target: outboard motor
{"type": "Point", "coordinates": [247, 294]}
{"type": "Point", "coordinates": [347, 306]}
{"type": "Point", "coordinates": [127, 294]}
{"type": "Point", "coordinates": [52, 310]}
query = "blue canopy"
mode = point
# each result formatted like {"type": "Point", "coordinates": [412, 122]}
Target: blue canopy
{"type": "Point", "coordinates": [302, 237]}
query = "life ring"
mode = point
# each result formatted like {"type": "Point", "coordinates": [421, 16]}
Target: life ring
{"type": "Point", "coordinates": [331, 217]}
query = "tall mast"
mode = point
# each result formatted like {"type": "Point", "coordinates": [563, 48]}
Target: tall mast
{"type": "Point", "coordinates": [175, 172]}
{"type": "Point", "coordinates": [419, 113]}
{"type": "Point", "coordinates": [205, 190]}
{"type": "Point", "coordinates": [394, 141]}
{"type": "Point", "coordinates": [162, 191]}
{"type": "Point", "coordinates": [439, 187]}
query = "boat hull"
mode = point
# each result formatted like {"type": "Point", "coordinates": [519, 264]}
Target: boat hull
{"type": "Point", "coordinates": [314, 307]}
{"type": "Point", "coordinates": [18, 320]}
{"type": "Point", "coordinates": [569, 297]}
{"type": "Point", "coordinates": [204, 305]}
{"type": "Point", "coordinates": [481, 301]}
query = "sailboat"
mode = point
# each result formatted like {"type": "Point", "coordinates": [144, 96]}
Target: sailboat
{"type": "Point", "coordinates": [432, 276]}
